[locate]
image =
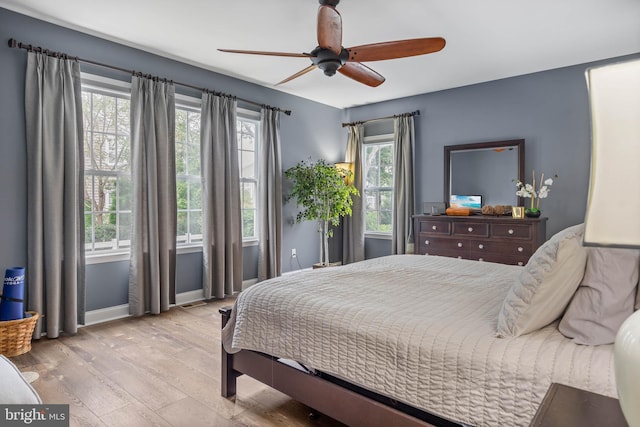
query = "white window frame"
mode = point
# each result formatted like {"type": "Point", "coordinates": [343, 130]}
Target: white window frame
{"type": "Point", "coordinates": [254, 117]}
{"type": "Point", "coordinates": [120, 89]}
{"type": "Point", "coordinates": [190, 105]}
{"type": "Point", "coordinates": [384, 139]}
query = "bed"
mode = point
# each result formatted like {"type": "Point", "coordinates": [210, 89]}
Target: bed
{"type": "Point", "coordinates": [414, 334]}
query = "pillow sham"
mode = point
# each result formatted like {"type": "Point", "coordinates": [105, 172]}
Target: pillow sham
{"type": "Point", "coordinates": [546, 285]}
{"type": "Point", "coordinates": [605, 298]}
{"type": "Point", "coordinates": [15, 389]}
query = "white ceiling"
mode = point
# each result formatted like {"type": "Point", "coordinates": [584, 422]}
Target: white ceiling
{"type": "Point", "coordinates": [486, 40]}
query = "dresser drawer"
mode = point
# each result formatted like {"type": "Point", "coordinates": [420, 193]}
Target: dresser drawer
{"type": "Point", "coordinates": [500, 258]}
{"type": "Point", "coordinates": [512, 231]}
{"type": "Point", "coordinates": [470, 229]}
{"type": "Point", "coordinates": [488, 246]}
{"type": "Point", "coordinates": [445, 246]}
{"type": "Point", "coordinates": [435, 227]}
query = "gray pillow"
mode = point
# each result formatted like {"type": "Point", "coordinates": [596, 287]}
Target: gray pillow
{"type": "Point", "coordinates": [605, 298]}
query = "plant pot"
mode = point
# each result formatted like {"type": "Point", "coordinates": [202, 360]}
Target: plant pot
{"type": "Point", "coordinates": [532, 213]}
{"type": "Point", "coordinates": [331, 264]}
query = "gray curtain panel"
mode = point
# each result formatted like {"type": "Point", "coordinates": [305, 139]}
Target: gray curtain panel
{"type": "Point", "coordinates": [222, 232]}
{"type": "Point", "coordinates": [55, 195]}
{"type": "Point", "coordinates": [270, 197]}
{"type": "Point", "coordinates": [403, 190]}
{"type": "Point", "coordinates": [353, 226]}
{"type": "Point", "coordinates": [152, 281]}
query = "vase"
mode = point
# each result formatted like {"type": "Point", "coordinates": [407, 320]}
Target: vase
{"type": "Point", "coordinates": [626, 361]}
{"type": "Point", "coordinates": [532, 213]}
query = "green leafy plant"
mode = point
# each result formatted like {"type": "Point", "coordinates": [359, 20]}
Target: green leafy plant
{"type": "Point", "coordinates": [322, 191]}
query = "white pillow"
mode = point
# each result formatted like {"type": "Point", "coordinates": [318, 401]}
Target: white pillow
{"type": "Point", "coordinates": [605, 297]}
{"type": "Point", "coordinates": [15, 390]}
{"type": "Point", "coordinates": [546, 285]}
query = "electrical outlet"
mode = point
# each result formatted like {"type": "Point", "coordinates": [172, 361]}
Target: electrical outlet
{"type": "Point", "coordinates": [293, 253]}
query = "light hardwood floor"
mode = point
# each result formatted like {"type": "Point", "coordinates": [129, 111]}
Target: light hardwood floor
{"type": "Point", "coordinates": [161, 370]}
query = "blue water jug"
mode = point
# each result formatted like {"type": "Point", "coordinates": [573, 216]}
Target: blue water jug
{"type": "Point", "coordinates": [12, 298]}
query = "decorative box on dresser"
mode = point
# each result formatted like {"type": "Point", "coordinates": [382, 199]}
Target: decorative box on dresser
{"type": "Point", "coordinates": [484, 238]}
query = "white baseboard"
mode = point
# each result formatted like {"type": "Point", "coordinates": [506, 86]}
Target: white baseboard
{"type": "Point", "coordinates": [106, 314]}
{"type": "Point", "coordinates": [248, 283]}
{"type": "Point", "coordinates": [120, 311]}
{"type": "Point", "coordinates": [188, 297]}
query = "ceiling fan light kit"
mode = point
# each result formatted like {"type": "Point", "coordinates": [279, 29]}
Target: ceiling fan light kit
{"type": "Point", "coordinates": [331, 57]}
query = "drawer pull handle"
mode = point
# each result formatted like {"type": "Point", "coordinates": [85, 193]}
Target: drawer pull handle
{"type": "Point", "coordinates": [470, 229]}
{"type": "Point", "coordinates": [480, 259]}
{"type": "Point", "coordinates": [520, 249]}
{"type": "Point", "coordinates": [480, 246]}
{"type": "Point", "coordinates": [426, 242]}
{"type": "Point", "coordinates": [520, 263]}
{"type": "Point", "coordinates": [510, 231]}
{"type": "Point", "coordinates": [459, 256]}
{"type": "Point", "coordinates": [434, 227]}
{"type": "Point", "coordinates": [459, 244]}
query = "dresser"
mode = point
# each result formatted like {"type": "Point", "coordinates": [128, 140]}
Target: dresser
{"type": "Point", "coordinates": [484, 238]}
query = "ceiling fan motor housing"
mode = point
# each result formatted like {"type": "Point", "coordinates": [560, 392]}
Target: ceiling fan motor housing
{"type": "Point", "coordinates": [328, 61]}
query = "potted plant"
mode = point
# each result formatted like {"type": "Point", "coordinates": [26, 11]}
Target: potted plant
{"type": "Point", "coordinates": [321, 189]}
{"type": "Point", "coordinates": [530, 191]}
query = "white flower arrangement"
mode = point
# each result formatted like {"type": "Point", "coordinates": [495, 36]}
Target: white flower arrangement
{"type": "Point", "coordinates": [530, 191]}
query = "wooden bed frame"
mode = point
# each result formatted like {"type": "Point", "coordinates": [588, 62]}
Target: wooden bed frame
{"type": "Point", "coordinates": [328, 395]}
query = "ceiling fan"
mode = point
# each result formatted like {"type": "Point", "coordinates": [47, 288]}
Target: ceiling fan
{"type": "Point", "coordinates": [330, 56]}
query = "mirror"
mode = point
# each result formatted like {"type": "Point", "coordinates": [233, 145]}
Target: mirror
{"type": "Point", "coordinates": [484, 169]}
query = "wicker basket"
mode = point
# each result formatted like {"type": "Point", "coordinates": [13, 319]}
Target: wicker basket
{"type": "Point", "coordinates": [15, 335]}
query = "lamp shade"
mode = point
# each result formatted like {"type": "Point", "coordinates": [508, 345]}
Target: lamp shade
{"type": "Point", "coordinates": [614, 200]}
{"type": "Point", "coordinates": [613, 207]}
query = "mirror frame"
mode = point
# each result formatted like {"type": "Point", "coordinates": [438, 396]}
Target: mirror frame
{"type": "Point", "coordinates": [448, 149]}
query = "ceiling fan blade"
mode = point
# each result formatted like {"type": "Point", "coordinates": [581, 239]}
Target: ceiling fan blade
{"type": "Point", "coordinates": [395, 49]}
{"type": "Point", "coordinates": [260, 52]}
{"type": "Point", "coordinates": [361, 73]}
{"type": "Point", "coordinates": [298, 74]}
{"type": "Point", "coordinates": [329, 29]}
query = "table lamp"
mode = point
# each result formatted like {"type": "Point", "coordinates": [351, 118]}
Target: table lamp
{"type": "Point", "coordinates": [613, 206]}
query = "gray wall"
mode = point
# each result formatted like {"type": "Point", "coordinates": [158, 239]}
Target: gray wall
{"type": "Point", "coordinates": [548, 109]}
{"type": "Point", "coordinates": [313, 130]}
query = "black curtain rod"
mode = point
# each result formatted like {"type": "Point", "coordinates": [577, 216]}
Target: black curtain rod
{"type": "Point", "coordinates": [413, 113]}
{"type": "Point", "coordinates": [16, 44]}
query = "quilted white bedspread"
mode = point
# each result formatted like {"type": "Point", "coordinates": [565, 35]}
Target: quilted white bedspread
{"type": "Point", "coordinates": [420, 329]}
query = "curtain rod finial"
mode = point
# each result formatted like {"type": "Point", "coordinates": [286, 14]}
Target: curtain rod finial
{"type": "Point", "coordinates": [13, 43]}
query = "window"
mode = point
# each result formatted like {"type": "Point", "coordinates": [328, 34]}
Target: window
{"type": "Point", "coordinates": [107, 152]}
{"type": "Point", "coordinates": [248, 137]}
{"type": "Point", "coordinates": [188, 178]}
{"type": "Point", "coordinates": [107, 188]}
{"type": "Point", "coordinates": [378, 185]}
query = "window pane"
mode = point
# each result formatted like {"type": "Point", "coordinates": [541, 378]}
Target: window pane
{"type": "Point", "coordinates": [104, 117]}
{"type": "Point", "coordinates": [248, 195]}
{"type": "Point", "coordinates": [248, 222]}
{"type": "Point", "coordinates": [195, 225]}
{"type": "Point", "coordinates": [182, 223]}
{"type": "Point", "coordinates": [124, 226]}
{"type": "Point", "coordinates": [194, 128]}
{"type": "Point", "coordinates": [195, 194]}
{"type": "Point", "coordinates": [247, 164]}
{"type": "Point", "coordinates": [371, 199]}
{"type": "Point", "coordinates": [181, 125]}
{"type": "Point", "coordinates": [386, 199]}
{"type": "Point", "coordinates": [193, 162]}
{"type": "Point", "coordinates": [181, 158]}
{"type": "Point", "coordinates": [124, 153]}
{"type": "Point", "coordinates": [247, 135]}
{"type": "Point", "coordinates": [182, 195]}
{"type": "Point", "coordinates": [124, 193]}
